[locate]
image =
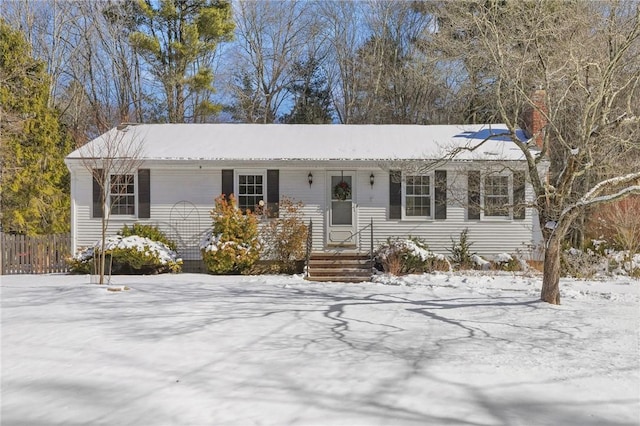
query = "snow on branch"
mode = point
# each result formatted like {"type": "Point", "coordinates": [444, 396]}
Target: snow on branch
{"type": "Point", "coordinates": [613, 182]}
{"type": "Point", "coordinates": [584, 202]}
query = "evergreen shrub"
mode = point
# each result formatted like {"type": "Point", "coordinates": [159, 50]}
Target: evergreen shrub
{"type": "Point", "coordinates": [128, 255]}
{"type": "Point", "coordinates": [461, 254]}
{"type": "Point", "coordinates": [231, 246]}
{"type": "Point", "coordinates": [148, 231]}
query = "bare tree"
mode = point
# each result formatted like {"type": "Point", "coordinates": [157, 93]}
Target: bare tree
{"type": "Point", "coordinates": [112, 159]}
{"type": "Point", "coordinates": [46, 25]}
{"type": "Point", "coordinates": [377, 69]}
{"type": "Point", "coordinates": [96, 78]}
{"type": "Point", "coordinates": [583, 57]}
{"type": "Point", "coordinates": [341, 25]}
{"type": "Point", "coordinates": [272, 36]}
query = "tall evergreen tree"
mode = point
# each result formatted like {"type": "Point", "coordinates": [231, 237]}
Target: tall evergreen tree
{"type": "Point", "coordinates": [34, 180]}
{"type": "Point", "coordinates": [178, 38]}
{"type": "Point", "coordinates": [312, 95]}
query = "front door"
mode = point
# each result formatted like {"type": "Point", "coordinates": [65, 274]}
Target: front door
{"type": "Point", "coordinates": [341, 217]}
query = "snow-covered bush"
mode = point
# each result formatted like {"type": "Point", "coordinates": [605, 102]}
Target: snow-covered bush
{"type": "Point", "coordinates": [399, 257]}
{"type": "Point", "coordinates": [507, 262]}
{"type": "Point", "coordinates": [283, 239]}
{"type": "Point", "coordinates": [232, 245]}
{"type": "Point", "coordinates": [129, 255]}
{"type": "Point", "coordinates": [624, 263]}
{"type": "Point", "coordinates": [148, 231]}
{"type": "Point", "coordinates": [477, 262]}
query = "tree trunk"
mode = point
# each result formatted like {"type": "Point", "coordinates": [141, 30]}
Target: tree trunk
{"type": "Point", "coordinates": [102, 251]}
{"type": "Point", "coordinates": [553, 248]}
{"type": "Point", "coordinates": [551, 275]}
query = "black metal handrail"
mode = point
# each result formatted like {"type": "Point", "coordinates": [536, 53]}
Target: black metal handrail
{"type": "Point", "coordinates": [309, 247]}
{"type": "Point", "coordinates": [360, 232]}
{"type": "Point", "coordinates": [356, 234]}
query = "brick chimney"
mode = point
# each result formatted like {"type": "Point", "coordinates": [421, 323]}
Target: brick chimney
{"type": "Point", "coordinates": [534, 119]}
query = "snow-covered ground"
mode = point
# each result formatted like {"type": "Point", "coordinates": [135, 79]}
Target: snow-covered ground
{"type": "Point", "coordinates": [271, 350]}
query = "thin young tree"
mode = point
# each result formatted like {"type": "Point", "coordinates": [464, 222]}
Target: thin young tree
{"type": "Point", "coordinates": [582, 58]}
{"type": "Point", "coordinates": [112, 159]}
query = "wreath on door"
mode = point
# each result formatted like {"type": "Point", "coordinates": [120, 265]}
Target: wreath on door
{"type": "Point", "coordinates": [342, 191]}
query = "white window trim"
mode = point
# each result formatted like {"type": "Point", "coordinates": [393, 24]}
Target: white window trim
{"type": "Point", "coordinates": [509, 215]}
{"type": "Point", "coordinates": [431, 177]}
{"type": "Point", "coordinates": [253, 172]}
{"type": "Point", "coordinates": [135, 198]}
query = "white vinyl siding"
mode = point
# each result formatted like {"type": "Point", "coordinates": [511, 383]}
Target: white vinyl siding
{"type": "Point", "coordinates": [198, 187]}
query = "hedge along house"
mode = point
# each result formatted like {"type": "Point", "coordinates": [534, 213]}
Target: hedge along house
{"type": "Point", "coordinates": [360, 184]}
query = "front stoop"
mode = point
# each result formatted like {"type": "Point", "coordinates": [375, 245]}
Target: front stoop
{"type": "Point", "coordinates": [339, 267]}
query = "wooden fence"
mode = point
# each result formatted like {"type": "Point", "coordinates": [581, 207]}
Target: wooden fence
{"type": "Point", "coordinates": [41, 254]}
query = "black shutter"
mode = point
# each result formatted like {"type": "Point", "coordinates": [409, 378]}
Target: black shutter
{"type": "Point", "coordinates": [273, 193]}
{"type": "Point", "coordinates": [227, 182]}
{"type": "Point", "coordinates": [98, 181]}
{"type": "Point", "coordinates": [441, 194]}
{"type": "Point", "coordinates": [518, 195]}
{"type": "Point", "coordinates": [473, 195]}
{"type": "Point", "coordinates": [395, 194]}
{"type": "Point", "coordinates": [144, 194]}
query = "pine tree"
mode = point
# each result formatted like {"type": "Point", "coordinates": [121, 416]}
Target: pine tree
{"type": "Point", "coordinates": [34, 180]}
{"type": "Point", "coordinates": [177, 38]}
{"type": "Point", "coordinates": [312, 96]}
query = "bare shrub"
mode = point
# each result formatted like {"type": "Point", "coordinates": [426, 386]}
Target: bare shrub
{"type": "Point", "coordinates": [579, 264]}
{"type": "Point", "coordinates": [284, 238]}
{"type": "Point", "coordinates": [618, 223]}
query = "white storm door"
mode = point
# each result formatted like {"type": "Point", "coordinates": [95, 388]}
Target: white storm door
{"type": "Point", "coordinates": [342, 209]}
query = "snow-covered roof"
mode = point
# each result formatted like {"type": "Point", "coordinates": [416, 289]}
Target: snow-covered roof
{"type": "Point", "coordinates": [309, 142]}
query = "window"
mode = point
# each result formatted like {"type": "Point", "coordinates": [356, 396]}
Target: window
{"type": "Point", "coordinates": [122, 197]}
{"type": "Point", "coordinates": [251, 190]}
{"type": "Point", "coordinates": [418, 198]}
{"type": "Point", "coordinates": [496, 196]}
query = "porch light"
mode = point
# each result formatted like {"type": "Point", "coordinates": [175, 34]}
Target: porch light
{"type": "Point", "coordinates": [310, 178]}
{"type": "Point", "coordinates": [371, 179]}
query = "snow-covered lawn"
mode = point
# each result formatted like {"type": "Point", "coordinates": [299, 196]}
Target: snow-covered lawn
{"type": "Point", "coordinates": [422, 350]}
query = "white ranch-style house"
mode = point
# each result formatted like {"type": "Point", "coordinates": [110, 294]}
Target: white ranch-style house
{"type": "Point", "coordinates": [392, 180]}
